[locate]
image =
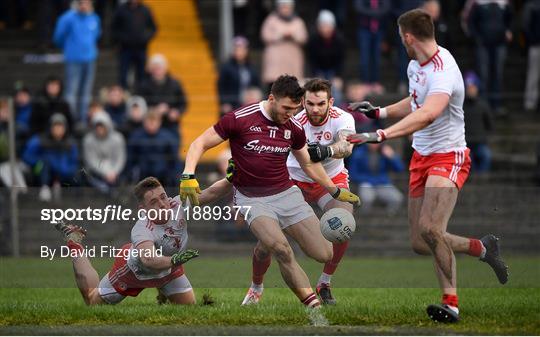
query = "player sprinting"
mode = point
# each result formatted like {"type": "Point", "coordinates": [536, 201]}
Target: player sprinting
{"type": "Point", "coordinates": [326, 128]}
{"type": "Point", "coordinates": [433, 113]}
{"type": "Point", "coordinates": [261, 136]}
{"type": "Point", "coordinates": [128, 277]}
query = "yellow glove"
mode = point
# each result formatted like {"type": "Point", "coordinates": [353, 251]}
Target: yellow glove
{"type": "Point", "coordinates": [189, 188]}
{"type": "Point", "coordinates": [343, 194]}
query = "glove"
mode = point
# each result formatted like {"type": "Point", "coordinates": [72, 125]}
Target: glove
{"type": "Point", "coordinates": [373, 112]}
{"type": "Point", "coordinates": [183, 257]}
{"type": "Point", "coordinates": [367, 137]}
{"type": "Point", "coordinates": [231, 168]}
{"type": "Point", "coordinates": [343, 194]}
{"type": "Point", "coordinates": [318, 152]}
{"type": "Point", "coordinates": [189, 187]}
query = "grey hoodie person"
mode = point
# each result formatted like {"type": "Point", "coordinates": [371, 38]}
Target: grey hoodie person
{"type": "Point", "coordinates": [107, 155]}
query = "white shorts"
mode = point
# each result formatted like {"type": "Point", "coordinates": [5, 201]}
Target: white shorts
{"type": "Point", "coordinates": [108, 294]}
{"type": "Point", "coordinates": [287, 207]}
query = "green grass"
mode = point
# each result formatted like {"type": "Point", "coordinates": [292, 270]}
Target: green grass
{"type": "Point", "coordinates": [375, 296]}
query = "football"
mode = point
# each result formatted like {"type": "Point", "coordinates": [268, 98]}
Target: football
{"type": "Point", "coordinates": [337, 225]}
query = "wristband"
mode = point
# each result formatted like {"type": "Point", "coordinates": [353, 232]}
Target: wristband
{"type": "Point", "coordinates": [381, 134]}
{"type": "Point", "coordinates": [383, 113]}
{"type": "Point", "coordinates": [187, 176]}
{"type": "Point", "coordinates": [330, 152]}
{"type": "Point", "coordinates": [336, 194]}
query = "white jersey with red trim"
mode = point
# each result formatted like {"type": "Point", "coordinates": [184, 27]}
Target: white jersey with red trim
{"type": "Point", "coordinates": [325, 134]}
{"type": "Point", "coordinates": [171, 237]}
{"type": "Point", "coordinates": [439, 74]}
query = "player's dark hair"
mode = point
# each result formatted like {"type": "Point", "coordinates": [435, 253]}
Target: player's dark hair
{"type": "Point", "coordinates": [418, 23]}
{"type": "Point", "coordinates": [319, 84]}
{"type": "Point", "coordinates": [287, 86]}
{"type": "Point", "coordinates": [145, 185]}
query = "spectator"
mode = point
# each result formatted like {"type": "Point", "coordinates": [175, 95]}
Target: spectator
{"type": "Point", "coordinates": [531, 27]}
{"type": "Point", "coordinates": [284, 34]}
{"type": "Point", "coordinates": [164, 93]}
{"type": "Point", "coordinates": [478, 124]}
{"type": "Point", "coordinates": [236, 76]}
{"type": "Point", "coordinates": [115, 104]}
{"type": "Point", "coordinates": [23, 111]}
{"type": "Point", "coordinates": [136, 110]}
{"type": "Point", "coordinates": [399, 7]}
{"type": "Point", "coordinates": [442, 34]}
{"type": "Point", "coordinates": [327, 53]}
{"type": "Point", "coordinates": [153, 151]}
{"type": "Point", "coordinates": [104, 153]}
{"type": "Point", "coordinates": [252, 95]}
{"type": "Point", "coordinates": [47, 104]}
{"type": "Point", "coordinates": [372, 15]}
{"type": "Point", "coordinates": [489, 25]}
{"type": "Point", "coordinates": [133, 27]}
{"type": "Point", "coordinates": [6, 172]}
{"type": "Point", "coordinates": [77, 32]}
{"type": "Point", "coordinates": [358, 92]}
{"type": "Point", "coordinates": [369, 167]}
{"type": "Point", "coordinates": [53, 156]}
{"type": "Point", "coordinates": [338, 8]}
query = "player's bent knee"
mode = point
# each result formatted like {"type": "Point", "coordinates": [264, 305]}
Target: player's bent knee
{"type": "Point", "coordinates": [432, 237]}
{"type": "Point", "coordinates": [283, 252]}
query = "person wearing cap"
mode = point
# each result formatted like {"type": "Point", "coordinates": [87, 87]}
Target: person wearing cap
{"type": "Point", "coordinates": [478, 124]}
{"type": "Point", "coordinates": [235, 76]}
{"type": "Point", "coordinates": [327, 53]}
{"type": "Point", "coordinates": [77, 32]}
{"type": "Point", "coordinates": [104, 153]}
{"type": "Point", "coordinates": [53, 156]}
{"type": "Point", "coordinates": [136, 110]}
{"type": "Point", "coordinates": [163, 93]}
{"type": "Point", "coordinates": [284, 35]}
{"type": "Point", "coordinates": [133, 27]}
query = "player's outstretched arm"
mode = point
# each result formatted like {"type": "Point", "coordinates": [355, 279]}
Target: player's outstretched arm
{"type": "Point", "coordinates": [396, 110]}
{"type": "Point", "coordinates": [433, 107]}
{"type": "Point", "coordinates": [316, 172]}
{"type": "Point", "coordinates": [150, 258]}
{"type": "Point", "coordinates": [216, 191]}
{"type": "Point", "coordinates": [189, 186]}
{"type": "Point", "coordinates": [341, 148]}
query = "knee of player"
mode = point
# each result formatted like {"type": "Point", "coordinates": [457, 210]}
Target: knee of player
{"type": "Point", "coordinates": [419, 247]}
{"type": "Point", "coordinates": [261, 253]}
{"type": "Point", "coordinates": [282, 251]}
{"type": "Point", "coordinates": [431, 236]}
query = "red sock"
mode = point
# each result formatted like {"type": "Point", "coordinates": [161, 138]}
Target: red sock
{"type": "Point", "coordinates": [260, 267]}
{"type": "Point", "coordinates": [339, 250]}
{"type": "Point", "coordinates": [475, 247]}
{"type": "Point", "coordinates": [311, 301]}
{"type": "Point", "coordinates": [451, 300]}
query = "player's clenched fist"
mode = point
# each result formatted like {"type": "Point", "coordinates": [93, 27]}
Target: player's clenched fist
{"type": "Point", "coordinates": [365, 107]}
{"type": "Point", "coordinates": [189, 188]}
{"type": "Point", "coordinates": [343, 194]}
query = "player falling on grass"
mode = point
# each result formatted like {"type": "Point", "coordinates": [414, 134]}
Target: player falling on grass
{"type": "Point", "coordinates": [433, 113]}
{"type": "Point", "coordinates": [326, 128]}
{"type": "Point", "coordinates": [128, 277]}
{"type": "Point", "coordinates": [261, 136]}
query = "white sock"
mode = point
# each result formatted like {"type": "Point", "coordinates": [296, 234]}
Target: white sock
{"type": "Point", "coordinates": [325, 278]}
{"type": "Point", "coordinates": [483, 254]}
{"type": "Point", "coordinates": [257, 287]}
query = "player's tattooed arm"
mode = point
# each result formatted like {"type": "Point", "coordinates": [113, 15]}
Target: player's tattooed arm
{"type": "Point", "coordinates": [341, 147]}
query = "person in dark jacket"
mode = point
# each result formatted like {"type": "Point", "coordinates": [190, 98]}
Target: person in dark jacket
{"type": "Point", "coordinates": [53, 156]}
{"type": "Point", "coordinates": [133, 27]}
{"type": "Point", "coordinates": [47, 104]}
{"type": "Point", "coordinates": [369, 167]}
{"type": "Point", "coordinates": [489, 25]}
{"type": "Point", "coordinates": [235, 76]}
{"type": "Point", "coordinates": [371, 20]}
{"type": "Point", "coordinates": [153, 151]}
{"type": "Point", "coordinates": [442, 34]}
{"type": "Point", "coordinates": [327, 53]}
{"type": "Point", "coordinates": [164, 94]}
{"type": "Point", "coordinates": [115, 105]}
{"type": "Point", "coordinates": [478, 124]}
{"type": "Point", "coordinates": [23, 111]}
{"type": "Point", "coordinates": [531, 27]}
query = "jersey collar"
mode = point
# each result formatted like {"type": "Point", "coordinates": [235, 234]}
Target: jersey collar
{"type": "Point", "coordinates": [431, 58]}
{"type": "Point", "coordinates": [263, 111]}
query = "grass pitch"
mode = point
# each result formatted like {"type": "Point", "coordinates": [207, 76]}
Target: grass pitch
{"type": "Point", "coordinates": [375, 296]}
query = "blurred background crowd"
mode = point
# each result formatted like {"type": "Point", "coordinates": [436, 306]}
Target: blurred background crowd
{"type": "Point", "coordinates": [74, 130]}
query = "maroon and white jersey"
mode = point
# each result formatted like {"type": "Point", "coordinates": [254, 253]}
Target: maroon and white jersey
{"type": "Point", "coordinates": [260, 148]}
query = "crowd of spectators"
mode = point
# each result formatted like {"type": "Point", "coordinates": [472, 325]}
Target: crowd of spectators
{"type": "Point", "coordinates": [131, 130]}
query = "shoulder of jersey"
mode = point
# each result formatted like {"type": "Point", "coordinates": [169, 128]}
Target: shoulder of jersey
{"type": "Point", "coordinates": [301, 117]}
{"type": "Point", "coordinates": [442, 60]}
{"type": "Point", "coordinates": [246, 110]}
